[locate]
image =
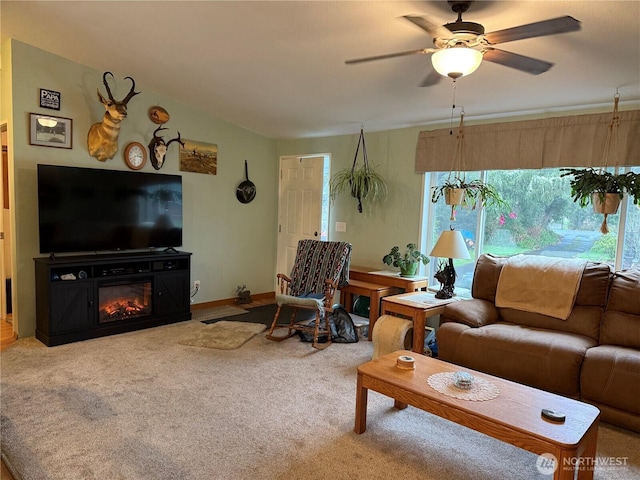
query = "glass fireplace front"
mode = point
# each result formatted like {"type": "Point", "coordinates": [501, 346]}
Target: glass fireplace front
{"type": "Point", "coordinates": [124, 301]}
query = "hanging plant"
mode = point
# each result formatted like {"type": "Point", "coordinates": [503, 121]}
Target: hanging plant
{"type": "Point", "coordinates": [362, 182]}
{"type": "Point", "coordinates": [457, 191]}
{"type": "Point", "coordinates": [603, 188]}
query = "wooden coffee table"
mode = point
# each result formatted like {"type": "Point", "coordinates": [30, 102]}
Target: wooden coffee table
{"type": "Point", "coordinates": [514, 416]}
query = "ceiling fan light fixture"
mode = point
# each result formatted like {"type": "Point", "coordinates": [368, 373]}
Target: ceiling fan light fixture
{"type": "Point", "coordinates": [456, 62]}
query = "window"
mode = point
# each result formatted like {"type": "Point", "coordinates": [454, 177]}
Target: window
{"type": "Point", "coordinates": [542, 219]}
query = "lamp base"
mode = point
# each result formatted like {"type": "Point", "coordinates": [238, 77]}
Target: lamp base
{"type": "Point", "coordinates": [444, 293]}
{"type": "Point", "coordinates": [446, 276]}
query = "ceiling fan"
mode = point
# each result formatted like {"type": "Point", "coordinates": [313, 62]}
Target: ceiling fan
{"type": "Point", "coordinates": [460, 46]}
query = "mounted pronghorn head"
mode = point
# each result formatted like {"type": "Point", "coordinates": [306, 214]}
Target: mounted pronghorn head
{"type": "Point", "coordinates": [158, 147]}
{"type": "Point", "coordinates": [103, 137]}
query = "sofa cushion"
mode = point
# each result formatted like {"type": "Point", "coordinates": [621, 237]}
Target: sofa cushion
{"type": "Point", "coordinates": [549, 360]}
{"type": "Point", "coordinates": [473, 312]}
{"type": "Point", "coordinates": [486, 276]}
{"type": "Point", "coordinates": [594, 286]}
{"type": "Point", "coordinates": [611, 375]}
{"type": "Point", "coordinates": [621, 320]}
{"type": "Point", "coordinates": [593, 290]}
{"type": "Point", "coordinates": [583, 320]}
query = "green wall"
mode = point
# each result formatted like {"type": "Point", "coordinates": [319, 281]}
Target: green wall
{"type": "Point", "coordinates": [397, 222]}
{"type": "Point", "coordinates": [232, 243]}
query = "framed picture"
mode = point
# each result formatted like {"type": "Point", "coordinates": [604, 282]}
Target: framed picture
{"type": "Point", "coordinates": [199, 157]}
{"type": "Point", "coordinates": [49, 99]}
{"type": "Point", "coordinates": [48, 131]}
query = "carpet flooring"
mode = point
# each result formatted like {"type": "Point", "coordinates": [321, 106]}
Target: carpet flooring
{"type": "Point", "coordinates": [140, 406]}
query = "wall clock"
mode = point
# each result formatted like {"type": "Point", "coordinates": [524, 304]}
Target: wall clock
{"type": "Point", "coordinates": [135, 155]}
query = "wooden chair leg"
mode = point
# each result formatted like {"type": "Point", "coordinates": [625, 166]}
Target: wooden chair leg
{"type": "Point", "coordinates": [274, 324]}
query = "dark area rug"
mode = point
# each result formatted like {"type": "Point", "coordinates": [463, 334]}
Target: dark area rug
{"type": "Point", "coordinates": [265, 314]}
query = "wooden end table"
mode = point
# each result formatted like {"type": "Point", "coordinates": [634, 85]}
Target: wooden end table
{"type": "Point", "coordinates": [514, 416]}
{"type": "Point", "coordinates": [417, 306]}
{"type": "Point", "coordinates": [372, 290]}
{"type": "Point", "coordinates": [390, 278]}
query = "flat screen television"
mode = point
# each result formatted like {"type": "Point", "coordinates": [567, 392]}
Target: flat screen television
{"type": "Point", "coordinates": [86, 209]}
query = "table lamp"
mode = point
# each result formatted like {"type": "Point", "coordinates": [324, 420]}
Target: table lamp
{"type": "Point", "coordinates": [450, 245]}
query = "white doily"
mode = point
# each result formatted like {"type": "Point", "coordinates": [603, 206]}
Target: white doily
{"type": "Point", "coordinates": [480, 389]}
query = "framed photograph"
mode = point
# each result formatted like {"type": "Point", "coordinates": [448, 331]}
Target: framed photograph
{"type": "Point", "coordinates": [48, 131]}
{"type": "Point", "coordinates": [199, 157]}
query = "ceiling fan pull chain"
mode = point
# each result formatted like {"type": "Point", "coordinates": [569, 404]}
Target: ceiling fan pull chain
{"type": "Point", "coordinates": [453, 107]}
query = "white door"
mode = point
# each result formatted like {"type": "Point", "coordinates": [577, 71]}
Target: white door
{"type": "Point", "coordinates": [300, 206]}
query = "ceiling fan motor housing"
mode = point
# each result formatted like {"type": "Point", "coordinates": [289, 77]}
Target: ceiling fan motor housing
{"type": "Point", "coordinates": [470, 28]}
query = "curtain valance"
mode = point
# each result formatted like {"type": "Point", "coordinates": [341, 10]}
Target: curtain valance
{"type": "Point", "coordinates": [573, 141]}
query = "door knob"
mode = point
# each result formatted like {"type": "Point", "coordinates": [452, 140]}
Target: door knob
{"type": "Point", "coordinates": [315, 234]}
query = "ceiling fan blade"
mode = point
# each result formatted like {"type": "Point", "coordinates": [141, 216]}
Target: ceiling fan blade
{"type": "Point", "coordinates": [537, 29]}
{"type": "Point", "coordinates": [390, 55]}
{"type": "Point", "coordinates": [431, 79]}
{"type": "Point", "coordinates": [431, 28]}
{"type": "Point", "coordinates": [519, 62]}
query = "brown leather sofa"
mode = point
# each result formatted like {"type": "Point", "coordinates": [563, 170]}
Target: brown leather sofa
{"type": "Point", "coordinates": [593, 355]}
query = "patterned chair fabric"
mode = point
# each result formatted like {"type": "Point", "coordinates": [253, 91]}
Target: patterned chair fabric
{"type": "Point", "coordinates": [317, 261]}
{"type": "Point", "coordinates": [318, 270]}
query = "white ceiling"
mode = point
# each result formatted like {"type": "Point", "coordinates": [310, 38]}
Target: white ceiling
{"type": "Point", "coordinates": [277, 68]}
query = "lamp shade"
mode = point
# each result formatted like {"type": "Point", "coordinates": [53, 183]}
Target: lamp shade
{"type": "Point", "coordinates": [450, 245]}
{"type": "Point", "coordinates": [456, 62]}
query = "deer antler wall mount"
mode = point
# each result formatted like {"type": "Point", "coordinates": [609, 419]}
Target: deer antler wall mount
{"type": "Point", "coordinates": [158, 147]}
{"type": "Point", "coordinates": [102, 139]}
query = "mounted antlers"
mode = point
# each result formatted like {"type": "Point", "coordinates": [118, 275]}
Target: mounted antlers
{"type": "Point", "coordinates": [102, 139]}
{"type": "Point", "coordinates": [158, 147]}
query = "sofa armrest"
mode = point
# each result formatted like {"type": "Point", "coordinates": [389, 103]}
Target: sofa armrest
{"type": "Point", "coordinates": [473, 312]}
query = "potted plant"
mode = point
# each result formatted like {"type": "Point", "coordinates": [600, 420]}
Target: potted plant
{"type": "Point", "coordinates": [408, 261]}
{"type": "Point", "coordinates": [362, 182]}
{"type": "Point", "coordinates": [457, 191]}
{"type": "Point", "coordinates": [603, 189]}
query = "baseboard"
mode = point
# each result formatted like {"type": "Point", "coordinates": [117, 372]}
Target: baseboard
{"type": "Point", "coordinates": [232, 301]}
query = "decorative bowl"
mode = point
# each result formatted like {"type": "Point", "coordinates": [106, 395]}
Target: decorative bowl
{"type": "Point", "coordinates": [463, 380]}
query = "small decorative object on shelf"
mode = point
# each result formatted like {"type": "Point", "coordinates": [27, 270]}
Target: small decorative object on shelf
{"type": "Point", "coordinates": [408, 261]}
{"type": "Point", "coordinates": [243, 295]}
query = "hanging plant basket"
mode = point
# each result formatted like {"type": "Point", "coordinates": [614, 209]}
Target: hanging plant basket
{"type": "Point", "coordinates": [454, 196]}
{"type": "Point", "coordinates": [363, 183]}
{"type": "Point", "coordinates": [609, 204]}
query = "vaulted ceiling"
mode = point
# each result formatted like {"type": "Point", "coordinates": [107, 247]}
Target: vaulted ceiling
{"type": "Point", "coordinates": [278, 67]}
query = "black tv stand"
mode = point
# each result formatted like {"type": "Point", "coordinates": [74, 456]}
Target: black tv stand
{"type": "Point", "coordinates": [71, 289]}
